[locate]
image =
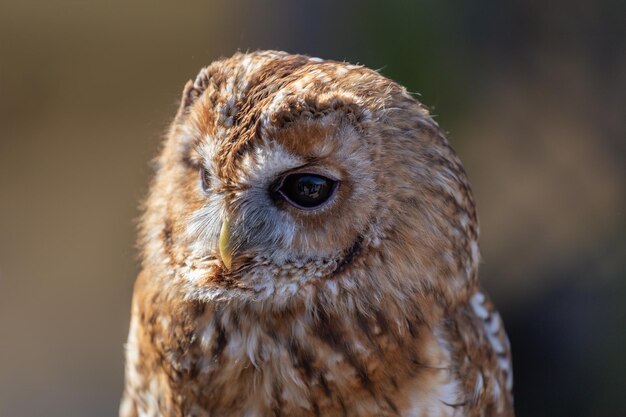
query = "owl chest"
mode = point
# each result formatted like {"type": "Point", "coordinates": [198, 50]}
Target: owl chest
{"type": "Point", "coordinates": [246, 369]}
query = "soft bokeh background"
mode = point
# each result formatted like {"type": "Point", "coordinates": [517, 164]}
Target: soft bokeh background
{"type": "Point", "coordinates": [532, 94]}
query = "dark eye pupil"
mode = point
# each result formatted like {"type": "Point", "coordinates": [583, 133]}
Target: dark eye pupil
{"type": "Point", "coordinates": [307, 190]}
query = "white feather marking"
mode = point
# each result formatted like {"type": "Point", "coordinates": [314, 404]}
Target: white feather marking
{"type": "Point", "coordinates": [439, 401]}
{"type": "Point", "coordinates": [478, 387]}
{"type": "Point", "coordinates": [493, 326]}
{"type": "Point", "coordinates": [332, 286]}
{"type": "Point", "coordinates": [440, 396]}
{"type": "Point", "coordinates": [477, 305]}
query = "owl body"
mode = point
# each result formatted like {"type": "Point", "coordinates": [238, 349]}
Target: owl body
{"type": "Point", "coordinates": [309, 248]}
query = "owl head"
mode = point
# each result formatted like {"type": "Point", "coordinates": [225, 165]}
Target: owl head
{"type": "Point", "coordinates": [284, 175]}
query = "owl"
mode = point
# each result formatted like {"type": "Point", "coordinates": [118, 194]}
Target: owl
{"type": "Point", "coordinates": [309, 247]}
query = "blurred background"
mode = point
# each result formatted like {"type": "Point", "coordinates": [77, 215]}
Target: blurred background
{"type": "Point", "coordinates": [532, 94]}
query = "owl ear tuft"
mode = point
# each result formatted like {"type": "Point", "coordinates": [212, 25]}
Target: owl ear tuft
{"type": "Point", "coordinates": [193, 90]}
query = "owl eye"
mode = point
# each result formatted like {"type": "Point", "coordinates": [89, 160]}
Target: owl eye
{"type": "Point", "coordinates": [205, 179]}
{"type": "Point", "coordinates": [306, 191]}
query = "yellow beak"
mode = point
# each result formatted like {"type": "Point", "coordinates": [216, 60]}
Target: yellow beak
{"type": "Point", "coordinates": [224, 244]}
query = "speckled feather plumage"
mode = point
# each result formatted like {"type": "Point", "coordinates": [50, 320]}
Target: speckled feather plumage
{"type": "Point", "coordinates": [369, 306]}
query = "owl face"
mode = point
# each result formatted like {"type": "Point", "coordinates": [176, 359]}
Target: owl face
{"type": "Point", "coordinates": [286, 202]}
{"type": "Point", "coordinates": [282, 170]}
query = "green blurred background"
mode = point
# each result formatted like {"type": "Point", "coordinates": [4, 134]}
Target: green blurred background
{"type": "Point", "coordinates": [532, 94]}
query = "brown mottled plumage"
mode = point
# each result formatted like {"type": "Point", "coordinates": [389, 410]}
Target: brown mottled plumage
{"type": "Point", "coordinates": [366, 305]}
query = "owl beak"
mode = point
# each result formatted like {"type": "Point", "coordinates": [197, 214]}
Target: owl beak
{"type": "Point", "coordinates": [224, 244]}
